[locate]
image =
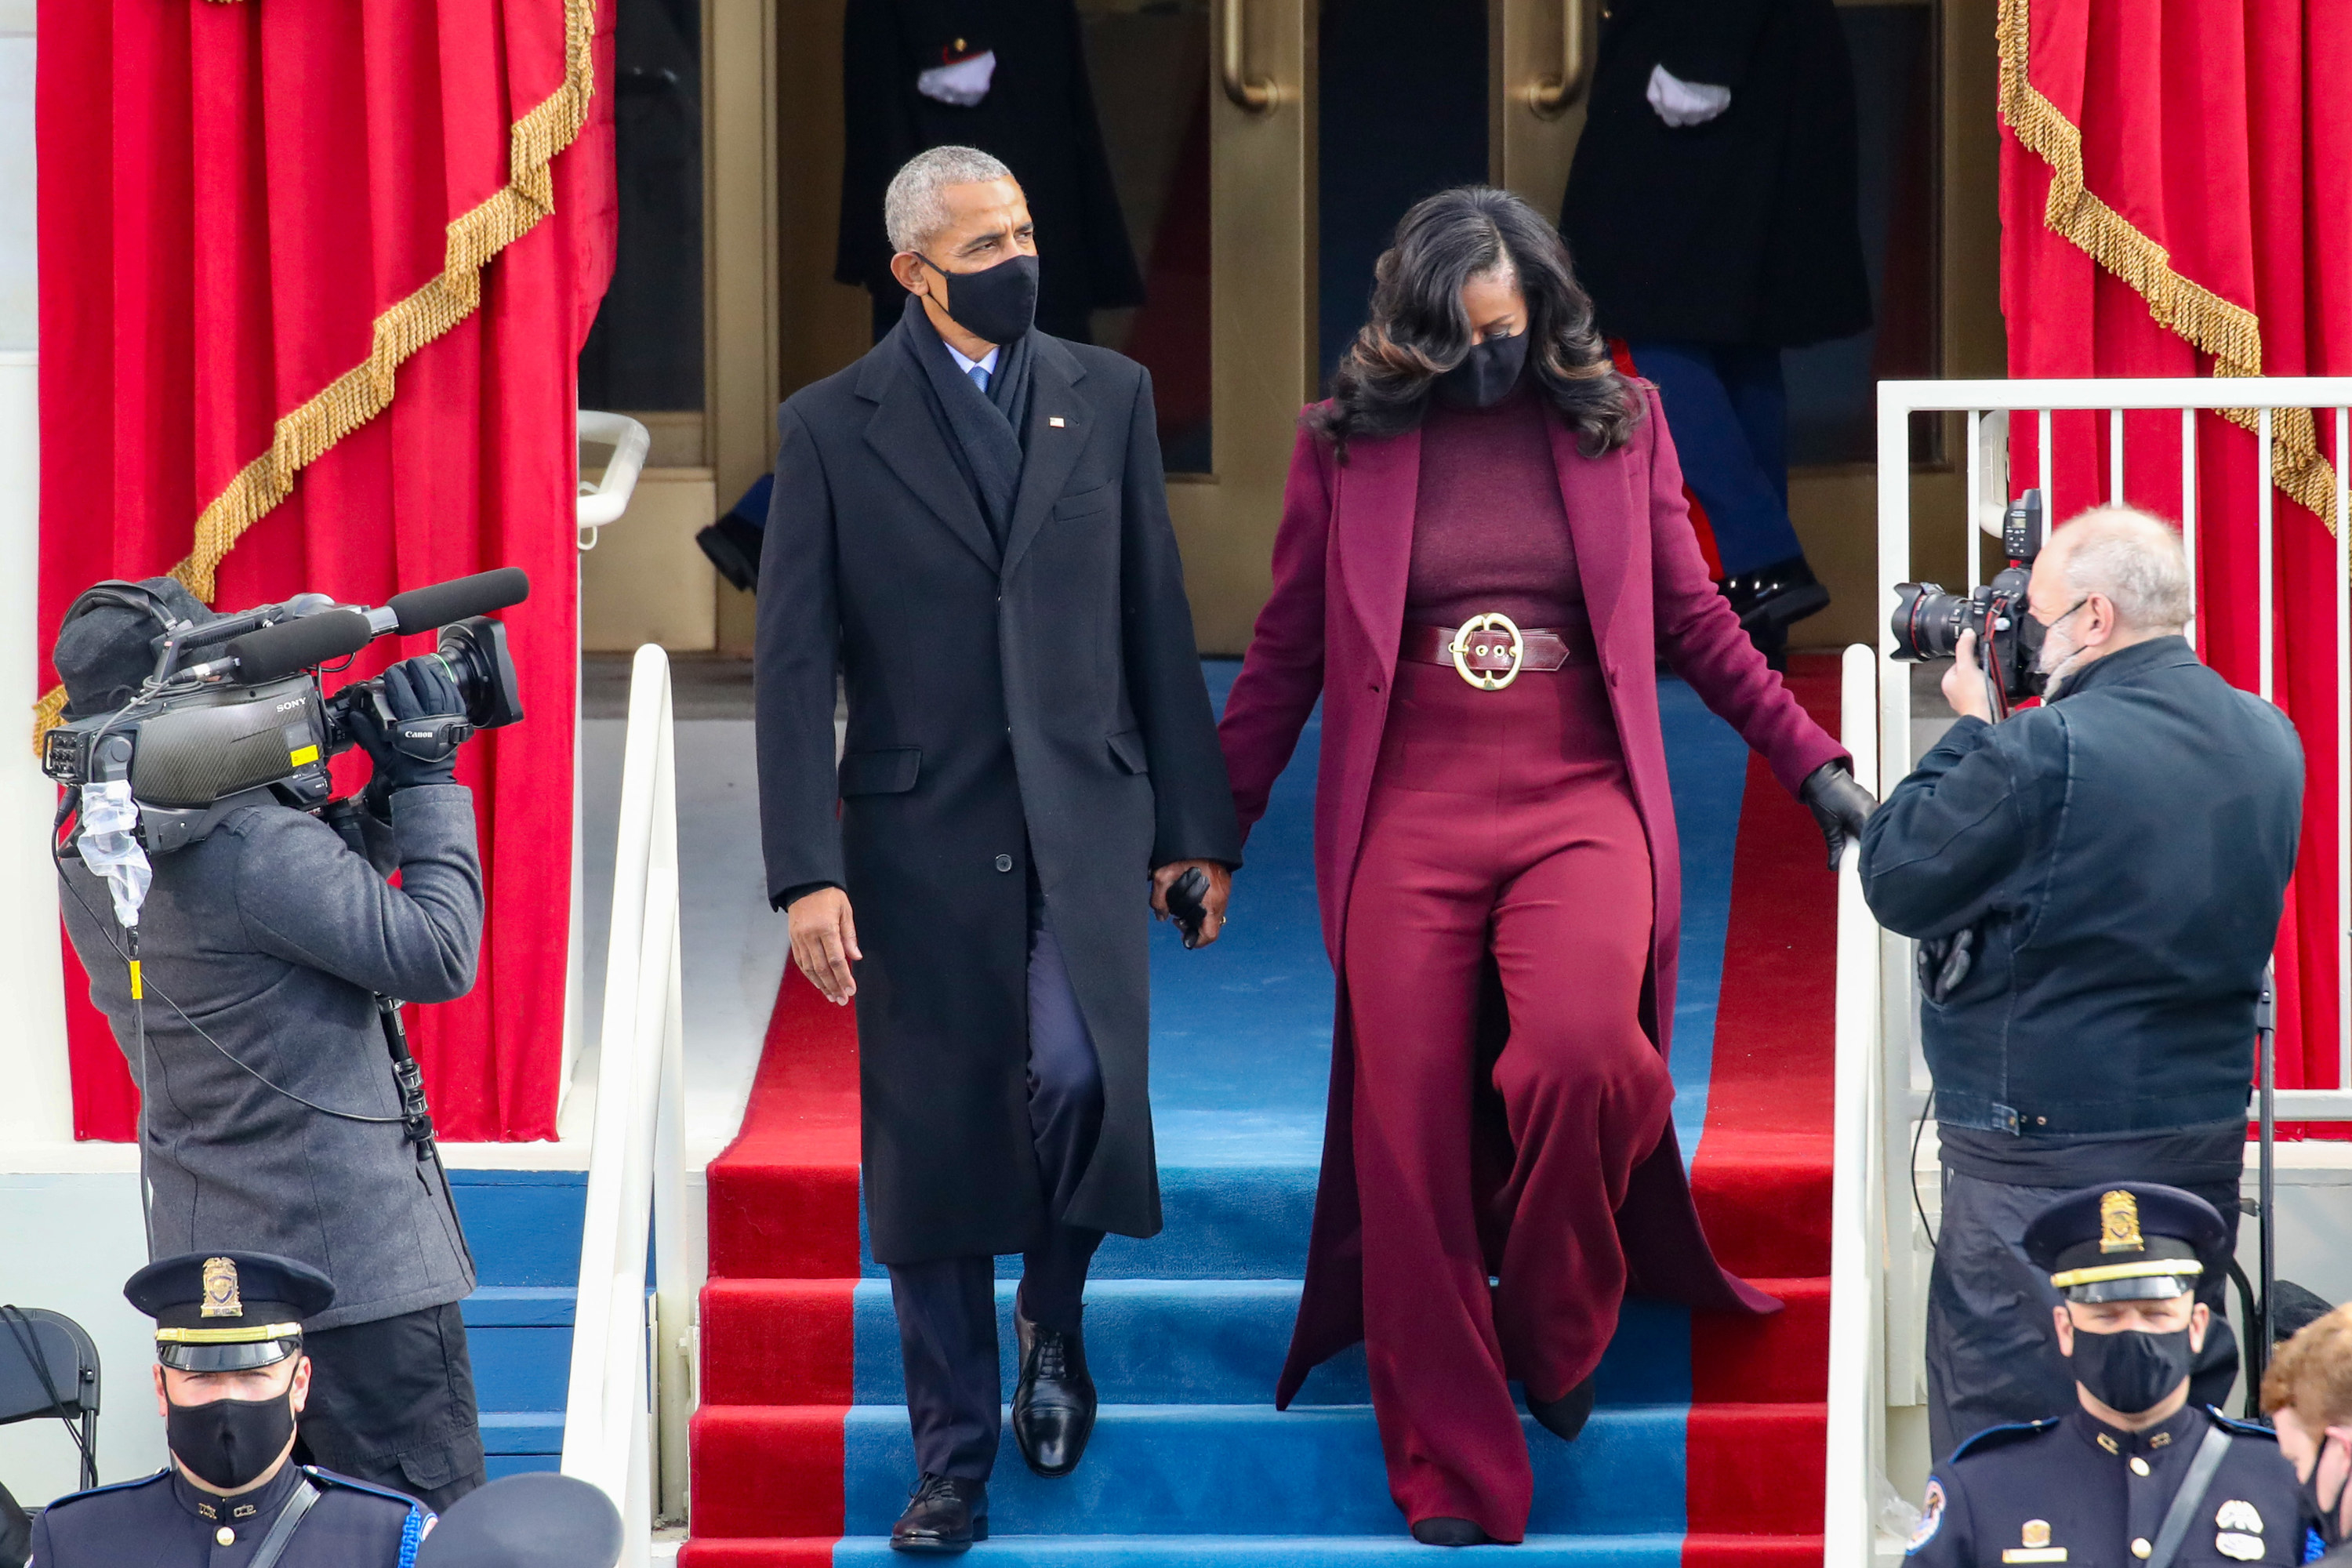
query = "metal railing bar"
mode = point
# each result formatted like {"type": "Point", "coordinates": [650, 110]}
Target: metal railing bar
{"type": "Point", "coordinates": [2264, 567]}
{"type": "Point", "coordinates": [2049, 468]}
{"type": "Point", "coordinates": [1976, 497]}
{"type": "Point", "coordinates": [2172, 391]}
{"type": "Point", "coordinates": [2344, 747]}
{"type": "Point", "coordinates": [2116, 456]}
{"type": "Point", "coordinates": [2188, 511]}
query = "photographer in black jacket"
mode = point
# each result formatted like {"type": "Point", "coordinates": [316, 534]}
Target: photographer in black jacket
{"type": "Point", "coordinates": [2096, 885]}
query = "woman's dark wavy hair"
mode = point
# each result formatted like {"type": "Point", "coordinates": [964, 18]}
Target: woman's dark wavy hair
{"type": "Point", "coordinates": [1418, 329]}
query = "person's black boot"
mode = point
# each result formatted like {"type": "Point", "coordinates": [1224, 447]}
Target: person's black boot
{"type": "Point", "coordinates": [1564, 1417]}
{"type": "Point", "coordinates": [1773, 598]}
{"type": "Point", "coordinates": [1450, 1532]}
{"type": "Point", "coordinates": [945, 1514]}
{"type": "Point", "coordinates": [1053, 1406]}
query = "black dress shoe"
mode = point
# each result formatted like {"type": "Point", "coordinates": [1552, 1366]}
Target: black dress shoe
{"type": "Point", "coordinates": [1053, 1407]}
{"type": "Point", "coordinates": [945, 1514]}
{"type": "Point", "coordinates": [1450, 1532]}
{"type": "Point", "coordinates": [1773, 598]}
{"type": "Point", "coordinates": [1565, 1417]}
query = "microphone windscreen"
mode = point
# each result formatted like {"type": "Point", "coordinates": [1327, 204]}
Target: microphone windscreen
{"type": "Point", "coordinates": [290, 646]}
{"type": "Point", "coordinates": [438, 603]}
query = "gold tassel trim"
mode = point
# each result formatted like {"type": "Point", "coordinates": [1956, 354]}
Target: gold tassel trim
{"type": "Point", "coordinates": [304, 435]}
{"type": "Point", "coordinates": [2230, 332]}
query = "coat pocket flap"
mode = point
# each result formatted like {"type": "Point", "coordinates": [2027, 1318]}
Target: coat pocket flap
{"type": "Point", "coordinates": [1102, 497]}
{"type": "Point", "coordinates": [891, 771]}
{"type": "Point", "coordinates": [1127, 747]}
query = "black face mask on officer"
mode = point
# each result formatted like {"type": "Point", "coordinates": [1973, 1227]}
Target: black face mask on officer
{"type": "Point", "coordinates": [229, 1443]}
{"type": "Point", "coordinates": [2131, 1371]}
{"type": "Point", "coordinates": [1487, 374]}
{"type": "Point", "coordinates": [995, 304]}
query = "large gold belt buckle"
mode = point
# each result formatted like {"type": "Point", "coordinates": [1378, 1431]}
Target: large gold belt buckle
{"type": "Point", "coordinates": [1483, 637]}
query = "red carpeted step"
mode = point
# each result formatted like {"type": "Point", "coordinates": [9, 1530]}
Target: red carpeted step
{"type": "Point", "coordinates": [1751, 1551]}
{"type": "Point", "coordinates": [767, 1469]}
{"type": "Point", "coordinates": [782, 1551]}
{"type": "Point", "coordinates": [777, 1342]}
{"type": "Point", "coordinates": [1765, 1199]}
{"type": "Point", "coordinates": [783, 1196]}
{"type": "Point", "coordinates": [1755, 1468]}
{"type": "Point", "coordinates": [1782, 1359]}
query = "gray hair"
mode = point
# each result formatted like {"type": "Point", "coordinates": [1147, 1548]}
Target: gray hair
{"type": "Point", "coordinates": [2136, 560]}
{"type": "Point", "coordinates": [915, 207]}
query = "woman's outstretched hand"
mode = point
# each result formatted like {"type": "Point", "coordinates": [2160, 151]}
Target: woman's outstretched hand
{"type": "Point", "coordinates": [1838, 802]}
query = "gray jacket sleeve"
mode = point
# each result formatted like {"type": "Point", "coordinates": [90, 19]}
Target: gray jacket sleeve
{"type": "Point", "coordinates": [304, 897]}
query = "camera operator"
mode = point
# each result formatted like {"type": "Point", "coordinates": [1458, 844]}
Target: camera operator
{"type": "Point", "coordinates": [2096, 885]}
{"type": "Point", "coordinates": [270, 1118]}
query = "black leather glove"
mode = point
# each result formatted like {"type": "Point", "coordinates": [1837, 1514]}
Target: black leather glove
{"type": "Point", "coordinates": [413, 689]}
{"type": "Point", "coordinates": [1838, 802]}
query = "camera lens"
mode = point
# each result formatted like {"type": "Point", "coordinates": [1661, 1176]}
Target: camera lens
{"type": "Point", "coordinates": [1927, 621]}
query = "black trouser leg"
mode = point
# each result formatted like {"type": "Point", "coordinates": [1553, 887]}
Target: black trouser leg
{"type": "Point", "coordinates": [391, 1401]}
{"type": "Point", "coordinates": [946, 1339]}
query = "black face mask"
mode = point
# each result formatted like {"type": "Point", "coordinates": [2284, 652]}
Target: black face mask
{"type": "Point", "coordinates": [230, 1442]}
{"type": "Point", "coordinates": [1487, 374]}
{"type": "Point", "coordinates": [2132, 1371]}
{"type": "Point", "coordinates": [996, 304]}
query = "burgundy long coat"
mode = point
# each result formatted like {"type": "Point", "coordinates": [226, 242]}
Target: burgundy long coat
{"type": "Point", "coordinates": [1332, 629]}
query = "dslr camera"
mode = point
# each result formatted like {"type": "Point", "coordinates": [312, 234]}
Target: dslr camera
{"type": "Point", "coordinates": [1929, 619]}
{"type": "Point", "coordinates": [236, 703]}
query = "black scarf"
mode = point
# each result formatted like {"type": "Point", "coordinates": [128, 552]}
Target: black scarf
{"type": "Point", "coordinates": [987, 432]}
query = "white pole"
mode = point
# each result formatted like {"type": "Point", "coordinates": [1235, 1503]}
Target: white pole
{"type": "Point", "coordinates": [2116, 456]}
{"type": "Point", "coordinates": [2188, 509]}
{"type": "Point", "coordinates": [2262, 564]}
{"type": "Point", "coordinates": [2344, 747]}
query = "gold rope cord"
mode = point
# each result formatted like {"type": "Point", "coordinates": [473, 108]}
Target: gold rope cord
{"type": "Point", "coordinates": [303, 435]}
{"type": "Point", "coordinates": [2231, 334]}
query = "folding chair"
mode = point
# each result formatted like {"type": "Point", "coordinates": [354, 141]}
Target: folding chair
{"type": "Point", "coordinates": [48, 1367]}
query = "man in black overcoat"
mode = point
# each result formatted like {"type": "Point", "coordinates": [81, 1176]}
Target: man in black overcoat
{"type": "Point", "coordinates": [969, 524]}
{"type": "Point", "coordinates": [1712, 212]}
{"type": "Point", "coordinates": [1008, 76]}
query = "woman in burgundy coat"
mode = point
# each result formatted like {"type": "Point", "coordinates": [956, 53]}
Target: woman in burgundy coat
{"type": "Point", "coordinates": [1484, 547]}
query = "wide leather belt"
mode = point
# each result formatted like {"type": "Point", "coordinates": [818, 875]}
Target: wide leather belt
{"type": "Point", "coordinates": [1489, 650]}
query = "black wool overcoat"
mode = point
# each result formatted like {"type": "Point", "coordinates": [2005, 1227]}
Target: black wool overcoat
{"type": "Point", "coordinates": [1045, 700]}
{"type": "Point", "coordinates": [1741, 230]}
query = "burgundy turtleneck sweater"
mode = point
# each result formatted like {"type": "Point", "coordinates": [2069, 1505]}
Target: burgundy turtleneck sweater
{"type": "Point", "coordinates": [1488, 529]}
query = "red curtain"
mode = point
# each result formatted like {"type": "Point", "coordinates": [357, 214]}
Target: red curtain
{"type": "Point", "coordinates": [314, 277]}
{"type": "Point", "coordinates": [2176, 200]}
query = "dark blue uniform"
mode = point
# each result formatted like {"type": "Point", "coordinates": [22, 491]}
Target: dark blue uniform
{"type": "Point", "coordinates": [2073, 1490]}
{"type": "Point", "coordinates": [164, 1522]}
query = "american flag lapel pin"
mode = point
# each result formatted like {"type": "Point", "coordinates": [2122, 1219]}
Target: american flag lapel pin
{"type": "Point", "coordinates": [1056, 421]}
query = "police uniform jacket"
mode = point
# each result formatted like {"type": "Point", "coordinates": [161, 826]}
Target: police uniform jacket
{"type": "Point", "coordinates": [275, 937]}
{"type": "Point", "coordinates": [164, 1522]}
{"type": "Point", "coordinates": [2073, 1490]}
{"type": "Point", "coordinates": [2119, 857]}
{"type": "Point", "coordinates": [1031, 709]}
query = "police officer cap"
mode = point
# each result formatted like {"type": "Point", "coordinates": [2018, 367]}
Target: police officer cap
{"type": "Point", "coordinates": [228, 1312]}
{"type": "Point", "coordinates": [105, 650]}
{"type": "Point", "coordinates": [2135, 1241]}
{"type": "Point", "coordinates": [531, 1520]}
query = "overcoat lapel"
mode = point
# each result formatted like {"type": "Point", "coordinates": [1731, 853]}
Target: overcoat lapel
{"type": "Point", "coordinates": [913, 447]}
{"type": "Point", "coordinates": [1056, 435]}
{"type": "Point", "coordinates": [1603, 516]}
{"type": "Point", "coordinates": [1380, 486]}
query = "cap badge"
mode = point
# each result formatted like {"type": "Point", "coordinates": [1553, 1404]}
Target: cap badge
{"type": "Point", "coordinates": [221, 1297]}
{"type": "Point", "coordinates": [2036, 1533]}
{"type": "Point", "coordinates": [2237, 1514]}
{"type": "Point", "coordinates": [2119, 1223]}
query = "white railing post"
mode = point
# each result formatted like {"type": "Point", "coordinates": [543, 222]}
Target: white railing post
{"type": "Point", "coordinates": [1859, 1256]}
{"type": "Point", "coordinates": [610, 1435]}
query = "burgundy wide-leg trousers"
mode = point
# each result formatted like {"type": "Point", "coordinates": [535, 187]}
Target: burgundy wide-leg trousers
{"type": "Point", "coordinates": [1499, 821]}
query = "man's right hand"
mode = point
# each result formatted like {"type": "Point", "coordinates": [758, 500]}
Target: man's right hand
{"type": "Point", "coordinates": [824, 942]}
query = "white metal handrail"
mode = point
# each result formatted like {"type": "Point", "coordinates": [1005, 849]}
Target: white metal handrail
{"type": "Point", "coordinates": [631, 1383]}
{"type": "Point", "coordinates": [605, 501]}
{"type": "Point", "coordinates": [1879, 1246]}
{"type": "Point", "coordinates": [1857, 1402]}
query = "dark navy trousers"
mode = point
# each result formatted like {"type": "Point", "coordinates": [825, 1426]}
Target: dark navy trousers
{"type": "Point", "coordinates": [947, 1306]}
{"type": "Point", "coordinates": [1729, 409]}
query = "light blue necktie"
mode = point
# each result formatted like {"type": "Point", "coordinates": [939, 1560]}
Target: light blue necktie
{"type": "Point", "coordinates": [978, 374]}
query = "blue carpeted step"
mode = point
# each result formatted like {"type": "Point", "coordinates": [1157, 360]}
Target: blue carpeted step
{"type": "Point", "coordinates": [1222, 1342]}
{"type": "Point", "coordinates": [1662, 1550]}
{"type": "Point", "coordinates": [524, 1431]}
{"type": "Point", "coordinates": [1161, 1470]}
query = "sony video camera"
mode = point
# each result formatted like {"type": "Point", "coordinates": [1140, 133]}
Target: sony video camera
{"type": "Point", "coordinates": [252, 713]}
{"type": "Point", "coordinates": [1929, 621]}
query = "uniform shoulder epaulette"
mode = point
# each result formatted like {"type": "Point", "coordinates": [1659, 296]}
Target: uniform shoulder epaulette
{"type": "Point", "coordinates": [349, 1483]}
{"type": "Point", "coordinates": [1993, 1438]}
{"type": "Point", "coordinates": [2243, 1428]}
{"type": "Point", "coordinates": [132, 1485]}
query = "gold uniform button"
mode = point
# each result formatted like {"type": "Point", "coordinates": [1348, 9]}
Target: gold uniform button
{"type": "Point", "coordinates": [227, 1537]}
{"type": "Point", "coordinates": [2140, 1548]}
{"type": "Point", "coordinates": [2139, 1465]}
